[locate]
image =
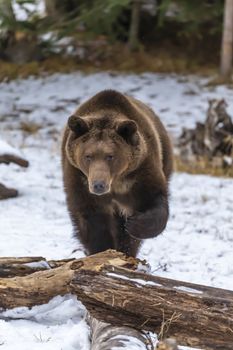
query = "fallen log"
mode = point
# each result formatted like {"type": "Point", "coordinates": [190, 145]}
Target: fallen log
{"type": "Point", "coordinates": [11, 158]}
{"type": "Point", "coordinates": [51, 277]}
{"type": "Point", "coordinates": [105, 336]}
{"type": "Point", "coordinates": [23, 266]}
{"type": "Point", "coordinates": [115, 291]}
{"type": "Point", "coordinates": [9, 155]}
{"type": "Point", "coordinates": [6, 192]}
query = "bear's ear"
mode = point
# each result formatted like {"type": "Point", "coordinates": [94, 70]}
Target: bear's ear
{"type": "Point", "coordinates": [128, 131]}
{"type": "Point", "coordinates": [78, 125]}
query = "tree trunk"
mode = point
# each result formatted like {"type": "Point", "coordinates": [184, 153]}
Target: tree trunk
{"type": "Point", "coordinates": [114, 290]}
{"type": "Point", "coordinates": [51, 8]}
{"type": "Point", "coordinates": [7, 13]}
{"type": "Point", "coordinates": [134, 25]}
{"type": "Point", "coordinates": [6, 10]}
{"type": "Point", "coordinates": [227, 41]}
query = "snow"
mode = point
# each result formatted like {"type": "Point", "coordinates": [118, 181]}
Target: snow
{"type": "Point", "coordinates": [188, 290]}
{"type": "Point", "coordinates": [197, 245]}
{"type": "Point", "coordinates": [22, 13]}
{"type": "Point", "coordinates": [5, 148]}
{"type": "Point", "coordinates": [38, 265]}
{"type": "Point", "coordinates": [130, 343]}
{"type": "Point", "coordinates": [139, 281]}
{"type": "Point", "coordinates": [58, 325]}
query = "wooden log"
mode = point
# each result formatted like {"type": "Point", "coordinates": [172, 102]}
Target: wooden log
{"type": "Point", "coordinates": [39, 287]}
{"type": "Point", "coordinates": [115, 291]}
{"type": "Point", "coordinates": [7, 158]}
{"type": "Point", "coordinates": [195, 315]}
{"type": "Point", "coordinates": [105, 336]}
{"type": "Point", "coordinates": [23, 266]}
{"type": "Point", "coordinates": [11, 158]}
{"type": "Point", "coordinates": [6, 192]}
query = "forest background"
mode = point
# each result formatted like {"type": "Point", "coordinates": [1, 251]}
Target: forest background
{"type": "Point", "coordinates": [180, 36]}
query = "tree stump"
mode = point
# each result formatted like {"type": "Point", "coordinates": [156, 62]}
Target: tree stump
{"type": "Point", "coordinates": [212, 140]}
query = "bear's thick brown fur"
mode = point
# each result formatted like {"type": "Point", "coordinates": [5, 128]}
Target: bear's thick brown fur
{"type": "Point", "coordinates": [117, 160]}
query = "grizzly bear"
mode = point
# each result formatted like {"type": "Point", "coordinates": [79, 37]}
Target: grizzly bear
{"type": "Point", "coordinates": [117, 161]}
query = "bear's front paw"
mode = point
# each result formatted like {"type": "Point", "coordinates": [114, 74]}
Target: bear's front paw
{"type": "Point", "coordinates": [138, 227]}
{"type": "Point", "coordinates": [146, 225]}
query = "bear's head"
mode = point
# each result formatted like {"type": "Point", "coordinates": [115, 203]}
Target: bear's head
{"type": "Point", "coordinates": [104, 148]}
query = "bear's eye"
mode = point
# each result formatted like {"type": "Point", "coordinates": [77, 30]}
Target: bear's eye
{"type": "Point", "coordinates": [109, 157]}
{"type": "Point", "coordinates": [88, 157]}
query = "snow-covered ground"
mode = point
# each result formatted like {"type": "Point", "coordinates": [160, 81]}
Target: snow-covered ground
{"type": "Point", "coordinates": [197, 245]}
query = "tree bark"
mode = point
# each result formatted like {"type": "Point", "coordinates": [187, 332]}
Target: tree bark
{"type": "Point", "coordinates": [134, 25]}
{"type": "Point", "coordinates": [115, 291]}
{"type": "Point", "coordinates": [227, 41]}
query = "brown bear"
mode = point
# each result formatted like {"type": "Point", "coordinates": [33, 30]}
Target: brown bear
{"type": "Point", "coordinates": [117, 160]}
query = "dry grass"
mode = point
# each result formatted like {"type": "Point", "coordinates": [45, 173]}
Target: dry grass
{"type": "Point", "coordinates": [166, 324]}
{"type": "Point", "coordinates": [159, 61]}
{"type": "Point", "coordinates": [202, 166]}
{"type": "Point", "coordinates": [30, 127]}
{"type": "Point", "coordinates": [117, 58]}
{"type": "Point", "coordinates": [10, 71]}
{"type": "Point", "coordinates": [218, 80]}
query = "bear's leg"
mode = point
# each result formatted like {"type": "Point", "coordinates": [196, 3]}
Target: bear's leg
{"type": "Point", "coordinates": [151, 215]}
{"type": "Point", "coordinates": [129, 245]}
{"type": "Point", "coordinates": [125, 243]}
{"type": "Point", "coordinates": [94, 231]}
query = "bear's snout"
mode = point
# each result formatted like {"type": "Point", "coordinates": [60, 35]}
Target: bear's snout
{"type": "Point", "coordinates": [99, 187]}
{"type": "Point", "coordinates": [99, 177]}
